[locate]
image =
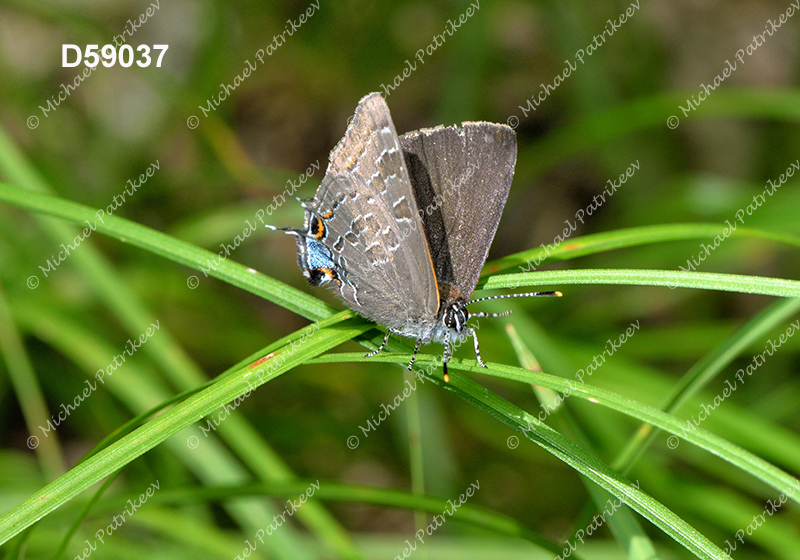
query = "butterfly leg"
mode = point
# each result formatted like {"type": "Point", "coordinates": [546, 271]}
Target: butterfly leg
{"type": "Point", "coordinates": [383, 344]}
{"type": "Point", "coordinates": [414, 356]}
{"type": "Point", "coordinates": [446, 356]}
{"type": "Point", "coordinates": [474, 335]}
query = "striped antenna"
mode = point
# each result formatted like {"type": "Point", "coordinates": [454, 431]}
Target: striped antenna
{"type": "Point", "coordinates": [287, 230]}
{"type": "Point", "coordinates": [506, 296]}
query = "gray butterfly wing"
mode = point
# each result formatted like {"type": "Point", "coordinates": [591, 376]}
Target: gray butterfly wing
{"type": "Point", "coordinates": [372, 224]}
{"type": "Point", "coordinates": [461, 178]}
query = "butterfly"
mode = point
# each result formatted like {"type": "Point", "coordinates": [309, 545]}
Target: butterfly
{"type": "Point", "coordinates": [401, 226]}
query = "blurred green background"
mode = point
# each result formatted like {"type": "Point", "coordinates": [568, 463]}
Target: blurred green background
{"type": "Point", "coordinates": [288, 114]}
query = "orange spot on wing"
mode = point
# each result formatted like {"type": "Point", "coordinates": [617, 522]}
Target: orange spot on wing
{"type": "Point", "coordinates": [318, 228]}
{"type": "Point", "coordinates": [331, 274]}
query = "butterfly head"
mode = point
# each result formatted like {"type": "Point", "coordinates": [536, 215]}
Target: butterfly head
{"type": "Point", "coordinates": [455, 316]}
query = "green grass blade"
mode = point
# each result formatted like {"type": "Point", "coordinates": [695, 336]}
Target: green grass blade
{"type": "Point", "coordinates": [582, 462]}
{"type": "Point", "coordinates": [159, 429]}
{"type": "Point", "coordinates": [633, 277]}
{"type": "Point", "coordinates": [76, 523]}
{"type": "Point", "coordinates": [707, 369]}
{"type": "Point", "coordinates": [305, 305]}
{"type": "Point", "coordinates": [620, 239]}
{"type": "Point", "coordinates": [558, 445]}
{"type": "Point", "coordinates": [267, 465]}
{"type": "Point", "coordinates": [194, 537]}
{"type": "Point", "coordinates": [601, 128]}
{"type": "Point", "coordinates": [114, 292]}
{"type": "Point", "coordinates": [767, 439]}
{"type": "Point", "coordinates": [140, 390]}
{"type": "Point", "coordinates": [746, 461]}
{"type": "Point", "coordinates": [721, 356]}
{"type": "Point", "coordinates": [623, 525]}
{"type": "Point", "coordinates": [416, 457]}
{"type": "Point", "coordinates": [174, 249]}
{"type": "Point", "coordinates": [73, 342]}
{"type": "Point", "coordinates": [28, 392]}
{"type": "Point", "coordinates": [341, 492]}
{"type": "Point", "coordinates": [166, 352]}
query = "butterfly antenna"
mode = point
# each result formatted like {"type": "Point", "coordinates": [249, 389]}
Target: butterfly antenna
{"type": "Point", "coordinates": [506, 296]}
{"type": "Point", "coordinates": [287, 230]}
{"type": "Point", "coordinates": [507, 313]}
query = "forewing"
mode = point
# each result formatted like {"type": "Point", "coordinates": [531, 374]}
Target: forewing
{"type": "Point", "coordinates": [461, 177]}
{"type": "Point", "coordinates": [373, 228]}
